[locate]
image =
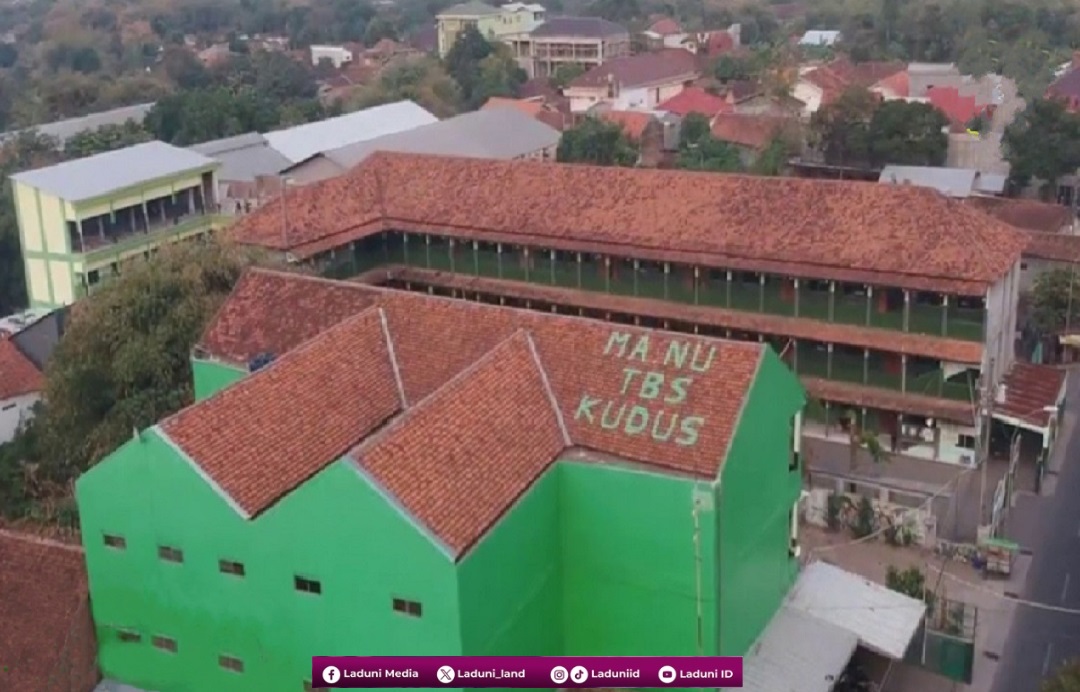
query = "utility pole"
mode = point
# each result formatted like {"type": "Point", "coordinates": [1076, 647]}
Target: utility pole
{"type": "Point", "coordinates": [986, 417]}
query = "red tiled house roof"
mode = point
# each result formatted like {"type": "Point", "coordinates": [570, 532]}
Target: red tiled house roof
{"type": "Point", "coordinates": [497, 402]}
{"type": "Point", "coordinates": [958, 109]}
{"type": "Point", "coordinates": [1030, 389]}
{"type": "Point", "coordinates": [695, 100]}
{"type": "Point", "coordinates": [752, 131]}
{"type": "Point", "coordinates": [632, 123]}
{"type": "Point", "coordinates": [18, 376]}
{"type": "Point", "coordinates": [1028, 214]}
{"type": "Point", "coordinates": [665, 27]}
{"type": "Point", "coordinates": [657, 67]}
{"type": "Point", "coordinates": [901, 236]}
{"type": "Point", "coordinates": [46, 634]}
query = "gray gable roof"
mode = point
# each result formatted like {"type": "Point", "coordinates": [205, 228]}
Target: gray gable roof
{"type": "Point", "coordinates": [243, 157]}
{"type": "Point", "coordinates": [952, 182]}
{"type": "Point", "coordinates": [98, 175]}
{"type": "Point", "coordinates": [474, 8]}
{"type": "Point", "coordinates": [583, 27]}
{"type": "Point", "coordinates": [64, 130]}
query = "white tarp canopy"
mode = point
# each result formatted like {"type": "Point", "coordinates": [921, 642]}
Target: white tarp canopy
{"type": "Point", "coordinates": [885, 621]}
{"type": "Point", "coordinates": [797, 653]}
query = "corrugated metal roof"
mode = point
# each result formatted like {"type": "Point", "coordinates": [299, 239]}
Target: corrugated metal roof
{"type": "Point", "coordinates": [496, 133]}
{"type": "Point", "coordinates": [63, 130]}
{"type": "Point", "coordinates": [797, 653]}
{"type": "Point", "coordinates": [98, 175]}
{"type": "Point", "coordinates": [991, 183]}
{"type": "Point", "coordinates": [952, 182]}
{"type": "Point", "coordinates": [244, 157]}
{"type": "Point", "coordinates": [885, 621]}
{"type": "Point", "coordinates": [303, 141]}
{"type": "Point", "coordinates": [817, 37]}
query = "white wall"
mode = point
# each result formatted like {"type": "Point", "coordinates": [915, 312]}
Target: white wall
{"type": "Point", "coordinates": [12, 412]}
{"type": "Point", "coordinates": [337, 55]}
{"type": "Point", "coordinates": [1000, 341]}
{"type": "Point", "coordinates": [633, 99]}
{"type": "Point", "coordinates": [810, 94]}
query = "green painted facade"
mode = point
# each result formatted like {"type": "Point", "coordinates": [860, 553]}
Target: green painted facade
{"type": "Point", "coordinates": [611, 559]}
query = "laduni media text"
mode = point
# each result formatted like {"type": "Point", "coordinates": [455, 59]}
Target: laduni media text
{"type": "Point", "coordinates": [358, 672]}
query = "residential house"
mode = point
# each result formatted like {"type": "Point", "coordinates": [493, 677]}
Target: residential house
{"type": "Point", "coordinates": [536, 107]}
{"type": "Point", "coordinates": [303, 141]}
{"type": "Point", "coordinates": [696, 100]}
{"type": "Point", "coordinates": [63, 130]}
{"type": "Point", "coordinates": [548, 478]}
{"type": "Point", "coordinates": [643, 129]}
{"type": "Point", "coordinates": [215, 55]}
{"type": "Point", "coordinates": [496, 133]}
{"type": "Point", "coordinates": [1066, 86]}
{"type": "Point", "coordinates": [753, 134]}
{"type": "Point", "coordinates": [637, 82]}
{"type": "Point", "coordinates": [80, 221]}
{"type": "Point", "coordinates": [708, 44]}
{"type": "Point", "coordinates": [962, 111]}
{"type": "Point", "coordinates": [658, 32]}
{"type": "Point", "coordinates": [819, 38]}
{"type": "Point", "coordinates": [48, 637]}
{"type": "Point", "coordinates": [583, 41]}
{"type": "Point", "coordinates": [21, 385]}
{"type": "Point", "coordinates": [337, 56]}
{"type": "Point", "coordinates": [895, 87]}
{"type": "Point", "coordinates": [37, 333]}
{"type": "Point", "coordinates": [959, 183]}
{"type": "Point", "coordinates": [871, 292]}
{"type": "Point", "coordinates": [506, 24]}
{"type": "Point", "coordinates": [246, 160]}
{"type": "Point", "coordinates": [821, 85]}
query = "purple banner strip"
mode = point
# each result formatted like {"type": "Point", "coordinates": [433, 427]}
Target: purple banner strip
{"type": "Point", "coordinates": [354, 672]}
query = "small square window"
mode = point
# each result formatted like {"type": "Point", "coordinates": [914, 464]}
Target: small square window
{"type": "Point", "coordinates": [129, 637]}
{"type": "Point", "coordinates": [117, 542]}
{"type": "Point", "coordinates": [406, 607]}
{"type": "Point", "coordinates": [170, 554]}
{"type": "Point", "coordinates": [231, 663]}
{"type": "Point", "coordinates": [230, 567]}
{"type": "Point", "coordinates": [164, 643]}
{"type": "Point", "coordinates": [307, 585]}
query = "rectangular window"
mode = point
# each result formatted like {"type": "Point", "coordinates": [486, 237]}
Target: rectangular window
{"type": "Point", "coordinates": [230, 567]}
{"type": "Point", "coordinates": [307, 585]}
{"type": "Point", "coordinates": [164, 643]}
{"type": "Point", "coordinates": [129, 637]}
{"type": "Point", "coordinates": [117, 542]}
{"type": "Point", "coordinates": [170, 554]}
{"type": "Point", "coordinates": [411, 608]}
{"type": "Point", "coordinates": [231, 663]}
{"type": "Point", "coordinates": [965, 441]}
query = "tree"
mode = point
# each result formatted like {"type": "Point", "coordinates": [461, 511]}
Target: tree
{"type": "Point", "coordinates": [105, 138]}
{"type": "Point", "coordinates": [123, 363]}
{"type": "Point", "coordinates": [462, 61]}
{"type": "Point", "coordinates": [841, 130]}
{"type": "Point", "coordinates": [700, 151]}
{"type": "Point", "coordinates": [378, 29]}
{"type": "Point", "coordinates": [734, 67]}
{"type": "Point", "coordinates": [910, 582]}
{"type": "Point", "coordinates": [423, 81]}
{"type": "Point", "coordinates": [1066, 678]}
{"type": "Point", "coordinates": [1055, 301]}
{"type": "Point", "coordinates": [201, 115]}
{"type": "Point", "coordinates": [860, 438]}
{"type": "Point", "coordinates": [1042, 143]}
{"type": "Point", "coordinates": [773, 161]}
{"type": "Point", "coordinates": [183, 69]}
{"type": "Point", "coordinates": [596, 142]}
{"type": "Point", "coordinates": [564, 74]}
{"type": "Point", "coordinates": [499, 75]}
{"type": "Point", "coordinates": [695, 128]}
{"type": "Point", "coordinates": [908, 134]}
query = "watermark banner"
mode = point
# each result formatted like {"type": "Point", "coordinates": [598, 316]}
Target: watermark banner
{"type": "Point", "coordinates": [355, 672]}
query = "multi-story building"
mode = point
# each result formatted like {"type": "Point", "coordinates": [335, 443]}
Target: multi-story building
{"type": "Point", "coordinates": [472, 479]}
{"type": "Point", "coordinates": [79, 221]}
{"type": "Point", "coordinates": [582, 41]}
{"type": "Point", "coordinates": [870, 292]}
{"type": "Point", "coordinates": [636, 82]}
{"type": "Point", "coordinates": [503, 24]}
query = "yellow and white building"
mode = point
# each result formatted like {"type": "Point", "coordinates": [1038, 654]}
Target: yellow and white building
{"type": "Point", "coordinates": [81, 220]}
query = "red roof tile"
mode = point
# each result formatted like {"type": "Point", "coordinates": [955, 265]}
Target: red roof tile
{"type": "Point", "coordinates": [632, 123]}
{"type": "Point", "coordinates": [695, 100]}
{"type": "Point", "coordinates": [657, 67]}
{"type": "Point", "coordinates": [44, 616]}
{"type": "Point", "coordinates": [897, 84]}
{"type": "Point", "coordinates": [1028, 214]}
{"type": "Point", "coordinates": [958, 109]}
{"type": "Point", "coordinates": [754, 131]}
{"type": "Point", "coordinates": [267, 434]}
{"type": "Point", "coordinates": [18, 376]}
{"type": "Point", "coordinates": [1029, 390]}
{"type": "Point", "coordinates": [1055, 247]}
{"type": "Point", "coordinates": [665, 27]}
{"type": "Point", "coordinates": [904, 236]}
{"type": "Point", "coordinates": [272, 431]}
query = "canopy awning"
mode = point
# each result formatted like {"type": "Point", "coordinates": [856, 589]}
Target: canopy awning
{"type": "Point", "coordinates": [797, 653]}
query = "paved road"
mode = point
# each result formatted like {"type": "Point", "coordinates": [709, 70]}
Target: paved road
{"type": "Point", "coordinates": [1041, 640]}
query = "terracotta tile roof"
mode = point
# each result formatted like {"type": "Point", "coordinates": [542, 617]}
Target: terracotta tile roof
{"type": "Point", "coordinates": [904, 236]}
{"type": "Point", "coordinates": [535, 107]}
{"type": "Point", "coordinates": [889, 400]}
{"type": "Point", "coordinates": [44, 603]}
{"type": "Point", "coordinates": [632, 123]}
{"type": "Point", "coordinates": [1067, 86]}
{"type": "Point", "coordinates": [695, 100]}
{"type": "Point", "coordinates": [665, 26]}
{"type": "Point", "coordinates": [662, 66]}
{"type": "Point", "coordinates": [1055, 247]}
{"type": "Point", "coordinates": [267, 434]}
{"type": "Point", "coordinates": [754, 131]}
{"type": "Point", "coordinates": [802, 328]}
{"type": "Point", "coordinates": [898, 84]}
{"type": "Point", "coordinates": [958, 109]}
{"type": "Point", "coordinates": [835, 77]}
{"type": "Point", "coordinates": [18, 376]}
{"type": "Point", "coordinates": [1029, 389]}
{"type": "Point", "coordinates": [254, 324]}
{"type": "Point", "coordinates": [1027, 214]}
{"type": "Point", "coordinates": [439, 457]}
{"type": "Point", "coordinates": [257, 440]}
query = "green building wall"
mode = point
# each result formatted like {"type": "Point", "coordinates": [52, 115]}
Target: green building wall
{"type": "Point", "coordinates": [337, 528]}
{"type": "Point", "coordinates": [210, 377]}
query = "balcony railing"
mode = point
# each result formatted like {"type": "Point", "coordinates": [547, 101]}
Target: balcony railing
{"type": "Point", "coordinates": [96, 250]}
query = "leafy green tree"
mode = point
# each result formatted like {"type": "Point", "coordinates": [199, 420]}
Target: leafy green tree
{"type": "Point", "coordinates": [1043, 143]}
{"type": "Point", "coordinates": [106, 138]}
{"type": "Point", "coordinates": [910, 582]}
{"type": "Point", "coordinates": [734, 67]}
{"type": "Point", "coordinates": [596, 142]}
{"type": "Point", "coordinates": [694, 129]}
{"type": "Point", "coordinates": [378, 29]}
{"type": "Point", "coordinates": [422, 81]}
{"type": "Point", "coordinates": [700, 151]}
{"type": "Point", "coordinates": [773, 161]}
{"type": "Point", "coordinates": [564, 74]}
{"type": "Point", "coordinates": [183, 69]}
{"type": "Point", "coordinates": [463, 60]}
{"type": "Point", "coordinates": [909, 134]}
{"type": "Point", "coordinates": [123, 362]}
{"type": "Point", "coordinates": [186, 118]}
{"type": "Point", "coordinates": [499, 75]}
{"type": "Point", "coordinates": [841, 130]}
{"type": "Point", "coordinates": [1055, 301]}
{"type": "Point", "coordinates": [1065, 679]}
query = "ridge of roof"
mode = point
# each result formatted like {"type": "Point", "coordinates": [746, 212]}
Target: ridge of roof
{"type": "Point", "coordinates": [911, 235]}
